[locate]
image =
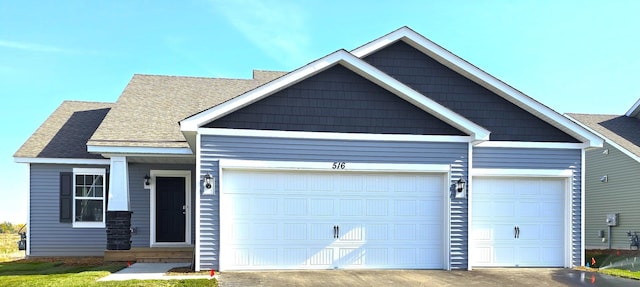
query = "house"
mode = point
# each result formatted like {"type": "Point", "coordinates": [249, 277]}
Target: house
{"type": "Point", "coordinates": [610, 178]}
{"type": "Point", "coordinates": [397, 154]}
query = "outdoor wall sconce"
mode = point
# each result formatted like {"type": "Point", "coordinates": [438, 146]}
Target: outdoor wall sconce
{"type": "Point", "coordinates": [604, 178]}
{"type": "Point", "coordinates": [208, 184]}
{"type": "Point", "coordinates": [461, 186]}
{"type": "Point", "coordinates": [147, 182]}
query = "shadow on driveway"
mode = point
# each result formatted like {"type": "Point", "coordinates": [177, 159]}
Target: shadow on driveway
{"type": "Point", "coordinates": [478, 277]}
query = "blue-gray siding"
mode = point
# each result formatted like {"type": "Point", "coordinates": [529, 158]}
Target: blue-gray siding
{"type": "Point", "coordinates": [506, 121]}
{"type": "Point", "coordinates": [49, 237]}
{"type": "Point", "coordinates": [521, 158]}
{"type": "Point", "coordinates": [336, 100]}
{"type": "Point", "coordinates": [214, 148]}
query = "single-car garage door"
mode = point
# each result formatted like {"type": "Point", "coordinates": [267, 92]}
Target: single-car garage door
{"type": "Point", "coordinates": [518, 222]}
{"type": "Point", "coordinates": [326, 220]}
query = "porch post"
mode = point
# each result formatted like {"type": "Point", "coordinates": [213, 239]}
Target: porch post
{"type": "Point", "coordinates": [118, 221]}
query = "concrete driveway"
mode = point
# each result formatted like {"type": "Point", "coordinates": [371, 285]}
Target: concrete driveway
{"type": "Point", "coordinates": [479, 277]}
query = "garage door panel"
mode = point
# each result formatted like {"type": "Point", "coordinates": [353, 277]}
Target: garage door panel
{"type": "Point", "coordinates": [385, 220]}
{"type": "Point", "coordinates": [535, 205]}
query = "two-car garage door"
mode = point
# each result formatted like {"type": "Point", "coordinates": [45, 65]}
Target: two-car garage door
{"type": "Point", "coordinates": [325, 220]}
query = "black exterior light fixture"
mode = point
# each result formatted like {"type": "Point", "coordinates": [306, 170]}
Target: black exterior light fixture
{"type": "Point", "coordinates": [460, 185]}
{"type": "Point", "coordinates": [146, 180]}
{"type": "Point", "coordinates": [207, 181]}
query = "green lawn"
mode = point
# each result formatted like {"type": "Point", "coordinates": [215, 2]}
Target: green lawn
{"type": "Point", "coordinates": [59, 274]}
{"type": "Point", "coordinates": [615, 264]}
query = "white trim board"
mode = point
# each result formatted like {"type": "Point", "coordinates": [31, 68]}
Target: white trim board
{"type": "Point", "coordinates": [62, 160]}
{"type": "Point", "coordinates": [360, 67]}
{"type": "Point", "coordinates": [331, 135]}
{"type": "Point", "coordinates": [152, 207]}
{"type": "Point", "coordinates": [481, 77]}
{"type": "Point", "coordinates": [512, 144]}
{"type": "Point", "coordinates": [139, 150]}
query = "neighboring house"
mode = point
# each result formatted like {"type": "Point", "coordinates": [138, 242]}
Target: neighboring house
{"type": "Point", "coordinates": [612, 176]}
{"type": "Point", "coordinates": [356, 160]}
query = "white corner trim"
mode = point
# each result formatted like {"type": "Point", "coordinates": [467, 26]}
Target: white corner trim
{"type": "Point", "coordinates": [354, 64]}
{"type": "Point", "coordinates": [512, 144]}
{"type": "Point", "coordinates": [329, 166]}
{"type": "Point", "coordinates": [470, 173]}
{"type": "Point", "coordinates": [499, 172]}
{"type": "Point", "coordinates": [481, 77]}
{"type": "Point", "coordinates": [583, 195]}
{"type": "Point", "coordinates": [29, 194]}
{"type": "Point", "coordinates": [198, 188]}
{"type": "Point", "coordinates": [331, 135]}
{"type": "Point", "coordinates": [139, 150]}
{"type": "Point", "coordinates": [609, 141]}
{"type": "Point", "coordinates": [61, 160]}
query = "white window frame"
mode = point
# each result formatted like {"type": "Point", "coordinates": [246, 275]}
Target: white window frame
{"type": "Point", "coordinates": [90, 171]}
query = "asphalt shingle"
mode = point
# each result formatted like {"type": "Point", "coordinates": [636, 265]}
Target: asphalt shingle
{"type": "Point", "coordinates": [66, 132]}
{"type": "Point", "coordinates": [620, 129]}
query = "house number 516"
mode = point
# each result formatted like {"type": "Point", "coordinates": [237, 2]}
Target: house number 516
{"type": "Point", "coordinates": [338, 165]}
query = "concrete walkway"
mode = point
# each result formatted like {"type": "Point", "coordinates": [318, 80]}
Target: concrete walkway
{"type": "Point", "coordinates": [151, 271]}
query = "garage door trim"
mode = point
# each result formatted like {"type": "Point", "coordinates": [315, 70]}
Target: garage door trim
{"type": "Point", "coordinates": [248, 165]}
{"type": "Point", "coordinates": [566, 174]}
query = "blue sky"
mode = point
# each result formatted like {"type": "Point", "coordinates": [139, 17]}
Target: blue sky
{"type": "Point", "coordinates": [573, 56]}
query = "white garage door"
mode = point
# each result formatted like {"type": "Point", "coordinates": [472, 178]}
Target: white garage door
{"type": "Point", "coordinates": [518, 222]}
{"type": "Point", "coordinates": [326, 220]}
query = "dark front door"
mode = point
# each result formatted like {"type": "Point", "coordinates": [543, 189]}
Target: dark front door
{"type": "Point", "coordinates": [170, 212]}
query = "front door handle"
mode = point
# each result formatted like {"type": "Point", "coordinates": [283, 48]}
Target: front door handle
{"type": "Point", "coordinates": [335, 231]}
{"type": "Point", "coordinates": [517, 231]}
{"type": "Point", "coordinates": [338, 231]}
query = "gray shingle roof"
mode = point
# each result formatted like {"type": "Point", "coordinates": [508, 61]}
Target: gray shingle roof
{"type": "Point", "coordinates": [620, 129]}
{"type": "Point", "coordinates": [148, 112]}
{"type": "Point", "coordinates": [65, 133]}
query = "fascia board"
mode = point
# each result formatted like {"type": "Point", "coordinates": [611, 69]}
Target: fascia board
{"type": "Point", "coordinates": [138, 150]}
{"type": "Point", "coordinates": [356, 65]}
{"type": "Point", "coordinates": [61, 160]}
{"type": "Point", "coordinates": [482, 78]}
{"type": "Point", "coordinates": [634, 110]}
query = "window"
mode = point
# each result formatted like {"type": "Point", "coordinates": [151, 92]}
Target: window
{"type": "Point", "coordinates": [89, 204]}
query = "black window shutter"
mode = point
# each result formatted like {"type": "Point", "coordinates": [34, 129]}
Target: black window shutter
{"type": "Point", "coordinates": [66, 196]}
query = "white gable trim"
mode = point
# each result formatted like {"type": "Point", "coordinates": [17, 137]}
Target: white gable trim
{"type": "Point", "coordinates": [331, 136]}
{"type": "Point", "coordinates": [482, 78]}
{"type": "Point", "coordinates": [609, 141]}
{"type": "Point", "coordinates": [354, 64]}
{"type": "Point", "coordinates": [634, 110]}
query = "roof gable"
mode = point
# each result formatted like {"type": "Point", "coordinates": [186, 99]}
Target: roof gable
{"type": "Point", "coordinates": [64, 134]}
{"type": "Point", "coordinates": [190, 125]}
{"type": "Point", "coordinates": [505, 120]}
{"type": "Point", "coordinates": [480, 77]}
{"type": "Point", "coordinates": [336, 100]}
